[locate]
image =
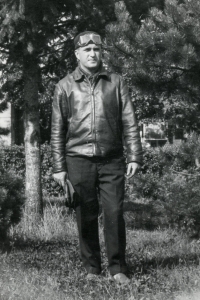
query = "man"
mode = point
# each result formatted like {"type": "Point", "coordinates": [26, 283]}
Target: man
{"type": "Point", "coordinates": [92, 114]}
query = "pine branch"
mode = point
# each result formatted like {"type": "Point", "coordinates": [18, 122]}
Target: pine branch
{"type": "Point", "coordinates": [171, 68]}
{"type": "Point", "coordinates": [121, 67]}
{"type": "Point", "coordinates": [60, 43]}
{"type": "Point", "coordinates": [66, 23]}
{"type": "Point", "coordinates": [51, 52]}
{"type": "Point", "coordinates": [123, 51]}
{"type": "Point", "coordinates": [178, 68]}
{"type": "Point", "coordinates": [49, 65]}
{"type": "Point", "coordinates": [186, 174]}
{"type": "Point", "coordinates": [4, 50]}
{"type": "Point", "coordinates": [56, 50]}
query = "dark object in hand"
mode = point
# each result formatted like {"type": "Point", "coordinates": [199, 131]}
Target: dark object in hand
{"type": "Point", "coordinates": [70, 195]}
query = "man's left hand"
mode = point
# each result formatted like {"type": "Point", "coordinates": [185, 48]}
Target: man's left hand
{"type": "Point", "coordinates": [132, 169]}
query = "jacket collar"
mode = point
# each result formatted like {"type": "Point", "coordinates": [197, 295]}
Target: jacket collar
{"type": "Point", "coordinates": [77, 74]}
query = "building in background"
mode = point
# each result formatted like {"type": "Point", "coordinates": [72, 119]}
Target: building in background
{"type": "Point", "coordinates": [157, 133]}
{"type": "Point", "coordinates": [11, 126]}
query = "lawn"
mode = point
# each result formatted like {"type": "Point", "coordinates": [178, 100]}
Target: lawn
{"type": "Point", "coordinates": [41, 261]}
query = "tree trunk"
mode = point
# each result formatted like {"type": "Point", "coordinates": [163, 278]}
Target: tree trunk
{"type": "Point", "coordinates": [33, 205]}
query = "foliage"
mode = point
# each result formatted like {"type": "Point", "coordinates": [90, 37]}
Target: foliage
{"type": "Point", "coordinates": [43, 30]}
{"type": "Point", "coordinates": [170, 177]}
{"type": "Point", "coordinates": [11, 198]}
{"type": "Point", "coordinates": [46, 30]}
{"type": "Point", "coordinates": [45, 110]}
{"type": "Point", "coordinates": [4, 131]}
{"type": "Point", "coordinates": [49, 186]}
{"type": "Point", "coordinates": [14, 160]}
{"type": "Point", "coordinates": [160, 60]}
{"type": "Point", "coordinates": [179, 197]}
{"type": "Point", "coordinates": [139, 9]}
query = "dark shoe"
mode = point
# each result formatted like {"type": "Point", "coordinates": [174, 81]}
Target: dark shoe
{"type": "Point", "coordinates": [121, 279]}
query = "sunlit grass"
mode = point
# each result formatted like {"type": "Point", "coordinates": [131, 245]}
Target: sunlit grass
{"type": "Point", "coordinates": [43, 262]}
{"type": "Point", "coordinates": [57, 224]}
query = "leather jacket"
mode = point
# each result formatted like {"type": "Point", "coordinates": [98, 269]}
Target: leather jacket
{"type": "Point", "coordinates": [93, 119]}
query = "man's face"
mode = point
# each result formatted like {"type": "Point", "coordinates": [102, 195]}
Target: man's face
{"type": "Point", "coordinates": [89, 56]}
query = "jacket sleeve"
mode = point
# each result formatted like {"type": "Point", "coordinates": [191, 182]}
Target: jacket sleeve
{"type": "Point", "coordinates": [58, 130]}
{"type": "Point", "coordinates": [130, 127]}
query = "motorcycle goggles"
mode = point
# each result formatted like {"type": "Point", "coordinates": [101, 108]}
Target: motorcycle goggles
{"type": "Point", "coordinates": [84, 40]}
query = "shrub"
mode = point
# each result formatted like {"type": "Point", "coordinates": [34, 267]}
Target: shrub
{"type": "Point", "coordinates": [4, 131]}
{"type": "Point", "coordinates": [170, 178]}
{"type": "Point", "coordinates": [11, 198]}
{"type": "Point", "coordinates": [179, 200]}
{"type": "Point", "coordinates": [50, 187]}
{"type": "Point", "coordinates": [161, 161]}
{"type": "Point", "coordinates": [14, 160]}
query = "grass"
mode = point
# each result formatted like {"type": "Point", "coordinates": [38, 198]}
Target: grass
{"type": "Point", "coordinates": [42, 262]}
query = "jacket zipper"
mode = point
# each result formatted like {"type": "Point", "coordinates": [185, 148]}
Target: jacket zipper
{"type": "Point", "coordinates": [93, 119]}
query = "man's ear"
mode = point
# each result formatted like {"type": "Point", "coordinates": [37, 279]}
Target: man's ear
{"type": "Point", "coordinates": [77, 53]}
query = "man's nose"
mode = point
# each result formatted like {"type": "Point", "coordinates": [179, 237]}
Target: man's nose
{"type": "Point", "coordinates": [92, 53]}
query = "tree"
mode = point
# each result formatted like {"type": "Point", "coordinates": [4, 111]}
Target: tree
{"type": "Point", "coordinates": [161, 60]}
{"type": "Point", "coordinates": [139, 10]}
{"type": "Point", "coordinates": [36, 39]}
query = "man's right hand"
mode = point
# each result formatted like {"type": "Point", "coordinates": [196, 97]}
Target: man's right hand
{"type": "Point", "coordinates": [60, 178]}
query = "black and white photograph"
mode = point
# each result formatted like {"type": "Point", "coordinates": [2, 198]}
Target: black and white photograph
{"type": "Point", "coordinates": [99, 150]}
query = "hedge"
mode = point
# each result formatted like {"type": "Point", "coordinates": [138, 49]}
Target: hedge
{"type": "Point", "coordinates": [14, 159]}
{"type": "Point", "coordinates": [169, 179]}
{"type": "Point", "coordinates": [11, 198]}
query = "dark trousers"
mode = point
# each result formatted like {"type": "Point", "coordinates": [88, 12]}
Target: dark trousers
{"type": "Point", "coordinates": [90, 177]}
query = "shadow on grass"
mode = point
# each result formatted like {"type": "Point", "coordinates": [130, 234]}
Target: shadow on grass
{"type": "Point", "coordinates": [142, 216]}
{"type": "Point", "coordinates": [7, 245]}
{"type": "Point", "coordinates": [145, 266]}
{"type": "Point", "coordinates": [60, 258]}
{"type": "Point", "coordinates": [137, 215]}
{"type": "Point", "coordinates": [51, 258]}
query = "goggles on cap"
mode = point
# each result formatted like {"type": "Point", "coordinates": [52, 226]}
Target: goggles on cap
{"type": "Point", "coordinates": [85, 39]}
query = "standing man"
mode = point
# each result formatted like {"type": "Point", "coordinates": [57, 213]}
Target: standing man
{"type": "Point", "coordinates": [92, 115]}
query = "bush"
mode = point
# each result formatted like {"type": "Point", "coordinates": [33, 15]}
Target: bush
{"type": "Point", "coordinates": [11, 198]}
{"type": "Point", "coordinates": [4, 131]}
{"type": "Point", "coordinates": [161, 161]}
{"type": "Point", "coordinates": [170, 178]}
{"type": "Point", "coordinates": [50, 187]}
{"type": "Point", "coordinates": [179, 199]}
{"type": "Point", "coordinates": [14, 160]}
